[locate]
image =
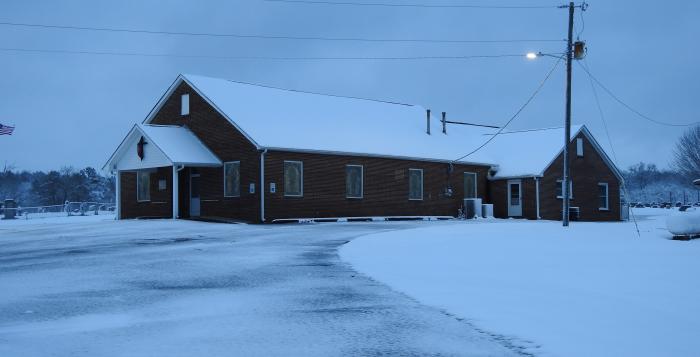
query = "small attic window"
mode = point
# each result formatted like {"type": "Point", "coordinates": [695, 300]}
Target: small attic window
{"type": "Point", "coordinates": [579, 147]}
{"type": "Point", "coordinates": [185, 104]}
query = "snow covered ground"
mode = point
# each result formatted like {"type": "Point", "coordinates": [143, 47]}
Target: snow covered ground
{"type": "Point", "coordinates": [595, 289]}
{"type": "Point", "coordinates": [92, 286]}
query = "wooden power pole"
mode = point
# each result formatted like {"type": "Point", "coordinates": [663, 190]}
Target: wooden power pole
{"type": "Point", "coordinates": [567, 123]}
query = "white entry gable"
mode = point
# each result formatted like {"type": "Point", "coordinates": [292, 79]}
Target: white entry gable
{"type": "Point", "coordinates": [162, 146]}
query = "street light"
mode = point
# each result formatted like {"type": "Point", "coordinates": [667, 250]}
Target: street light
{"type": "Point", "coordinates": [531, 55]}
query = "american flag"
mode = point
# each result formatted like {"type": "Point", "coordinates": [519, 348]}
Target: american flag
{"type": "Point", "coordinates": [6, 130]}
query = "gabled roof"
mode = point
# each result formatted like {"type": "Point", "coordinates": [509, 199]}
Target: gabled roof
{"type": "Point", "coordinates": [529, 153]}
{"type": "Point", "coordinates": [291, 120]}
{"type": "Point", "coordinates": [178, 145]}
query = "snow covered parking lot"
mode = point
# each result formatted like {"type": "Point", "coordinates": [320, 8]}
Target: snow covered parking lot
{"type": "Point", "coordinates": [597, 290]}
{"type": "Point", "coordinates": [86, 286]}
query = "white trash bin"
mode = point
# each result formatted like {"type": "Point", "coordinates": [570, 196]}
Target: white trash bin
{"type": "Point", "coordinates": [487, 210]}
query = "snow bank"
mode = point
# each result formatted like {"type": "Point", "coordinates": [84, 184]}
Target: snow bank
{"type": "Point", "coordinates": [595, 289]}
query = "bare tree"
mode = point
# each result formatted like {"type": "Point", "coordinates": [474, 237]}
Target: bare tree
{"type": "Point", "coordinates": [687, 154]}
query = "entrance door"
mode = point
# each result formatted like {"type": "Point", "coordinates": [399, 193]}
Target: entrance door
{"type": "Point", "coordinates": [515, 198]}
{"type": "Point", "coordinates": [194, 195]}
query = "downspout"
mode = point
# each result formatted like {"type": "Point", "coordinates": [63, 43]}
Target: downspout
{"type": "Point", "coordinates": [117, 193]}
{"type": "Point", "coordinates": [537, 196]}
{"type": "Point", "coordinates": [262, 185]}
{"type": "Point", "coordinates": [176, 190]}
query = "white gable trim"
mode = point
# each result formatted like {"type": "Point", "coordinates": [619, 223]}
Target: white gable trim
{"type": "Point", "coordinates": [119, 152]}
{"type": "Point", "coordinates": [180, 78]}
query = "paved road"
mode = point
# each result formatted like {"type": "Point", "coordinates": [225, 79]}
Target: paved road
{"type": "Point", "coordinates": [161, 288]}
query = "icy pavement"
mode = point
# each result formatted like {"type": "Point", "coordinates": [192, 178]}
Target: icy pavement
{"type": "Point", "coordinates": [162, 288]}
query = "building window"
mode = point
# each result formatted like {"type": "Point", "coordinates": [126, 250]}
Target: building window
{"type": "Point", "coordinates": [560, 189]}
{"type": "Point", "coordinates": [579, 147]}
{"type": "Point", "coordinates": [232, 179]}
{"type": "Point", "coordinates": [185, 104]}
{"type": "Point", "coordinates": [143, 186]}
{"type": "Point", "coordinates": [415, 184]}
{"type": "Point", "coordinates": [354, 181]}
{"type": "Point", "coordinates": [293, 178]}
{"type": "Point", "coordinates": [603, 204]}
{"type": "Point", "coordinates": [469, 185]}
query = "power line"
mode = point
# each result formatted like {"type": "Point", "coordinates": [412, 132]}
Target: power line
{"type": "Point", "coordinates": [262, 58]}
{"type": "Point", "coordinates": [612, 147]}
{"type": "Point", "coordinates": [415, 5]}
{"type": "Point", "coordinates": [517, 113]}
{"type": "Point", "coordinates": [264, 37]}
{"type": "Point", "coordinates": [635, 111]}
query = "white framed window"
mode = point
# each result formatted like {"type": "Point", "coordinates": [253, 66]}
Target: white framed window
{"type": "Point", "coordinates": [143, 186]}
{"type": "Point", "coordinates": [470, 185]}
{"type": "Point", "coordinates": [162, 185]}
{"type": "Point", "coordinates": [560, 189]}
{"type": "Point", "coordinates": [185, 104]}
{"type": "Point", "coordinates": [415, 184]}
{"type": "Point", "coordinates": [232, 179]}
{"type": "Point", "coordinates": [603, 196]}
{"type": "Point", "coordinates": [354, 181]}
{"type": "Point", "coordinates": [579, 147]}
{"type": "Point", "coordinates": [293, 179]}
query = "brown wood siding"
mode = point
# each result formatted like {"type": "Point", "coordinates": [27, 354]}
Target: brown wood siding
{"type": "Point", "coordinates": [586, 173]}
{"type": "Point", "coordinates": [385, 187]}
{"type": "Point", "coordinates": [228, 144]}
{"type": "Point", "coordinates": [161, 203]}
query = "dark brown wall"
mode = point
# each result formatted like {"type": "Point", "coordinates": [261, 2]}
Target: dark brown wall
{"type": "Point", "coordinates": [160, 204]}
{"type": "Point", "coordinates": [586, 173]}
{"type": "Point", "coordinates": [385, 187]}
{"type": "Point", "coordinates": [224, 140]}
{"type": "Point", "coordinates": [499, 195]}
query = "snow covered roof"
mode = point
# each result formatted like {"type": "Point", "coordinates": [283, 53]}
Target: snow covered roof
{"type": "Point", "coordinates": [166, 146]}
{"type": "Point", "coordinates": [526, 152]}
{"type": "Point", "coordinates": [276, 118]}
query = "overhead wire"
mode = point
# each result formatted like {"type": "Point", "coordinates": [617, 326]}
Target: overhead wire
{"type": "Point", "coordinates": [264, 37]}
{"type": "Point", "coordinates": [610, 142]}
{"type": "Point", "coordinates": [517, 113]}
{"type": "Point", "coordinates": [262, 58]}
{"type": "Point", "coordinates": [416, 5]}
{"type": "Point", "coordinates": [629, 107]}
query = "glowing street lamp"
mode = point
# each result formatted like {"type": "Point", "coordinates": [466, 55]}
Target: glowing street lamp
{"type": "Point", "coordinates": [531, 55]}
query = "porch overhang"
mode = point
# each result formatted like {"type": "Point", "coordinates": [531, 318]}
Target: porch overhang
{"type": "Point", "coordinates": [152, 146]}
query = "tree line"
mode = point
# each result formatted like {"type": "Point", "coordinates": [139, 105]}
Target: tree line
{"type": "Point", "coordinates": [55, 187]}
{"type": "Point", "coordinates": [647, 183]}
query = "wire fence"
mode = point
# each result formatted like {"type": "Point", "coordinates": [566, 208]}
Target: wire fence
{"type": "Point", "coordinates": [65, 210]}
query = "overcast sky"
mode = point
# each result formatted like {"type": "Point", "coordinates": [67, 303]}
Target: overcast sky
{"type": "Point", "coordinates": [74, 109]}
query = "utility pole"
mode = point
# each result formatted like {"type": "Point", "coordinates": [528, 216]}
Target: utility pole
{"type": "Point", "coordinates": [567, 124]}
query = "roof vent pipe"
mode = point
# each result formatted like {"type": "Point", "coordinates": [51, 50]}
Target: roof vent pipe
{"type": "Point", "coordinates": [427, 130]}
{"type": "Point", "coordinates": [444, 122]}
